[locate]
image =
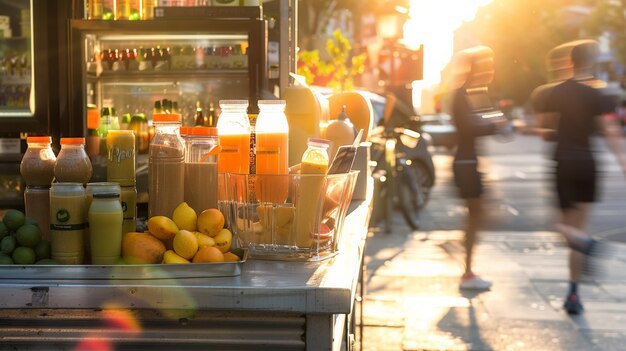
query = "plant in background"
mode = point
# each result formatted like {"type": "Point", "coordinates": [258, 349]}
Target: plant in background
{"type": "Point", "coordinates": [338, 71]}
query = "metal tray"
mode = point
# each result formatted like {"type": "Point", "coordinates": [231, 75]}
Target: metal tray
{"type": "Point", "coordinates": [136, 271]}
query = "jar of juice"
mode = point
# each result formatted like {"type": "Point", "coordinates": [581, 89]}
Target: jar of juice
{"type": "Point", "coordinates": [73, 164]}
{"type": "Point", "coordinates": [90, 190]}
{"type": "Point", "coordinates": [67, 222]}
{"type": "Point", "coordinates": [166, 167]}
{"type": "Point", "coordinates": [272, 151]}
{"type": "Point", "coordinates": [233, 128]}
{"type": "Point", "coordinates": [105, 226]}
{"type": "Point", "coordinates": [121, 157]}
{"type": "Point", "coordinates": [310, 191]}
{"type": "Point", "coordinates": [201, 168]}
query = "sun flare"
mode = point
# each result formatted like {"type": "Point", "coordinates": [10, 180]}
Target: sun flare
{"type": "Point", "coordinates": [432, 23]}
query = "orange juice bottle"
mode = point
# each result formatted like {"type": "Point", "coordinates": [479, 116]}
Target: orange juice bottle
{"type": "Point", "coordinates": [233, 129]}
{"type": "Point", "coordinates": [272, 151]}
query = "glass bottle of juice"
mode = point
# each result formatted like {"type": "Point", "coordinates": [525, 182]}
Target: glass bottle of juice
{"type": "Point", "coordinates": [166, 167]}
{"type": "Point", "coordinates": [201, 168]}
{"type": "Point", "coordinates": [105, 228]}
{"type": "Point", "coordinates": [73, 164]}
{"type": "Point", "coordinates": [37, 170]}
{"type": "Point", "coordinates": [310, 191]}
{"type": "Point", "coordinates": [90, 190]}
{"type": "Point", "coordinates": [233, 128]}
{"type": "Point", "coordinates": [67, 222]}
{"type": "Point", "coordinates": [272, 148]}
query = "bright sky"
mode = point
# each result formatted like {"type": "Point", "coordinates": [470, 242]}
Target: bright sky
{"type": "Point", "coordinates": [432, 23]}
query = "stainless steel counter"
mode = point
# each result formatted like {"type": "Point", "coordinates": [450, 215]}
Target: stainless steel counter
{"type": "Point", "coordinates": [311, 302]}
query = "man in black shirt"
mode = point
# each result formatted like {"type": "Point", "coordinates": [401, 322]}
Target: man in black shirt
{"type": "Point", "coordinates": [474, 71]}
{"type": "Point", "coordinates": [579, 106]}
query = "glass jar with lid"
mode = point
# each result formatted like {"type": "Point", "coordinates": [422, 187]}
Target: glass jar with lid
{"type": "Point", "coordinates": [37, 166]}
{"type": "Point", "coordinates": [233, 127]}
{"type": "Point", "coordinates": [73, 164]}
{"type": "Point", "coordinates": [166, 167]}
{"type": "Point", "coordinates": [201, 168]}
{"type": "Point", "coordinates": [67, 222]}
{"type": "Point", "coordinates": [105, 228]}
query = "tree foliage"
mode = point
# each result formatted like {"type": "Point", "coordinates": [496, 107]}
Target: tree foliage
{"type": "Point", "coordinates": [339, 71]}
{"type": "Point", "coordinates": [610, 16]}
{"type": "Point", "coordinates": [521, 32]}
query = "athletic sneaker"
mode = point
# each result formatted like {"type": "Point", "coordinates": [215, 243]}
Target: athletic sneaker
{"type": "Point", "coordinates": [474, 282]}
{"type": "Point", "coordinates": [572, 304]}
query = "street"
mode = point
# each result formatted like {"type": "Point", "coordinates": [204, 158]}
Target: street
{"type": "Point", "coordinates": [412, 300]}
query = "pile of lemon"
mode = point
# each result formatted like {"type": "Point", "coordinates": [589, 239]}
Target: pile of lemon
{"type": "Point", "coordinates": [185, 238]}
{"type": "Point", "coordinates": [21, 241]}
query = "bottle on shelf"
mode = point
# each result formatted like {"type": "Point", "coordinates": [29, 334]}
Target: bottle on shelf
{"type": "Point", "coordinates": [212, 115]}
{"type": "Point", "coordinates": [199, 119]}
{"type": "Point", "coordinates": [139, 126]}
{"type": "Point", "coordinates": [233, 129]}
{"type": "Point", "coordinates": [272, 149]}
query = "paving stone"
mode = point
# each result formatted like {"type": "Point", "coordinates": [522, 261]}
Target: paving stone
{"type": "Point", "coordinates": [601, 321]}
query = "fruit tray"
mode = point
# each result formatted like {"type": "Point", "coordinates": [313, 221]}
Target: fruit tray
{"type": "Point", "coordinates": [135, 271]}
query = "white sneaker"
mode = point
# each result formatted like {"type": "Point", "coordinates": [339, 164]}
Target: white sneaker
{"type": "Point", "coordinates": [474, 282]}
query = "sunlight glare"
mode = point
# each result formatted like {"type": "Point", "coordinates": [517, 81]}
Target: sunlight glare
{"type": "Point", "coordinates": [432, 23]}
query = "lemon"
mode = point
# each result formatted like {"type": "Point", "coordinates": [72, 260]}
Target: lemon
{"type": "Point", "coordinates": [204, 240]}
{"type": "Point", "coordinates": [43, 250]}
{"type": "Point", "coordinates": [171, 257]}
{"type": "Point", "coordinates": [223, 240]}
{"type": "Point", "coordinates": [162, 227]}
{"type": "Point", "coordinates": [185, 244]}
{"type": "Point", "coordinates": [185, 217]}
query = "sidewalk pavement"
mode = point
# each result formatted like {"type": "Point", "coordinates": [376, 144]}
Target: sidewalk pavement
{"type": "Point", "coordinates": [412, 300]}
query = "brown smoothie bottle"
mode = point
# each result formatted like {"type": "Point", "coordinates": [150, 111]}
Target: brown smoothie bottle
{"type": "Point", "coordinates": [37, 169]}
{"type": "Point", "coordinates": [73, 164]}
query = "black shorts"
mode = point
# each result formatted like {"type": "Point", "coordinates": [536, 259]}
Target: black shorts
{"type": "Point", "coordinates": [575, 181]}
{"type": "Point", "coordinates": [467, 178]}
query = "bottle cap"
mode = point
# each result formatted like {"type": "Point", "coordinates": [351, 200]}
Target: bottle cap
{"type": "Point", "coordinates": [319, 142]}
{"type": "Point", "coordinates": [203, 131]}
{"type": "Point", "coordinates": [166, 117]}
{"type": "Point", "coordinates": [72, 141]}
{"type": "Point", "coordinates": [238, 103]}
{"type": "Point", "coordinates": [184, 130]}
{"type": "Point", "coordinates": [93, 118]}
{"type": "Point", "coordinates": [39, 139]}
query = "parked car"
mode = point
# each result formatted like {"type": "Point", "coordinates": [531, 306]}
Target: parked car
{"type": "Point", "coordinates": [440, 128]}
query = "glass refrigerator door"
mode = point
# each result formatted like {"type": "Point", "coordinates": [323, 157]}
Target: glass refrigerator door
{"type": "Point", "coordinates": [130, 73]}
{"type": "Point", "coordinates": [16, 59]}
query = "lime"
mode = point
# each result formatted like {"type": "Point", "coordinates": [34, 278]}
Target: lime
{"type": "Point", "coordinates": [4, 231]}
{"type": "Point", "coordinates": [24, 255]}
{"type": "Point", "coordinates": [5, 259]}
{"type": "Point", "coordinates": [32, 221]}
{"type": "Point", "coordinates": [42, 250]}
{"type": "Point", "coordinates": [47, 261]}
{"type": "Point", "coordinates": [28, 235]}
{"type": "Point", "coordinates": [13, 219]}
{"type": "Point", "coordinates": [7, 244]}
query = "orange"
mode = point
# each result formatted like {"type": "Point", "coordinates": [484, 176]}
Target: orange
{"type": "Point", "coordinates": [208, 254]}
{"type": "Point", "coordinates": [210, 222]}
{"type": "Point", "coordinates": [142, 248]}
{"type": "Point", "coordinates": [231, 257]}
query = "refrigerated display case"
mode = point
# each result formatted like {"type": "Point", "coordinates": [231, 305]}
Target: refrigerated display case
{"type": "Point", "coordinates": [128, 65]}
{"type": "Point", "coordinates": [29, 74]}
